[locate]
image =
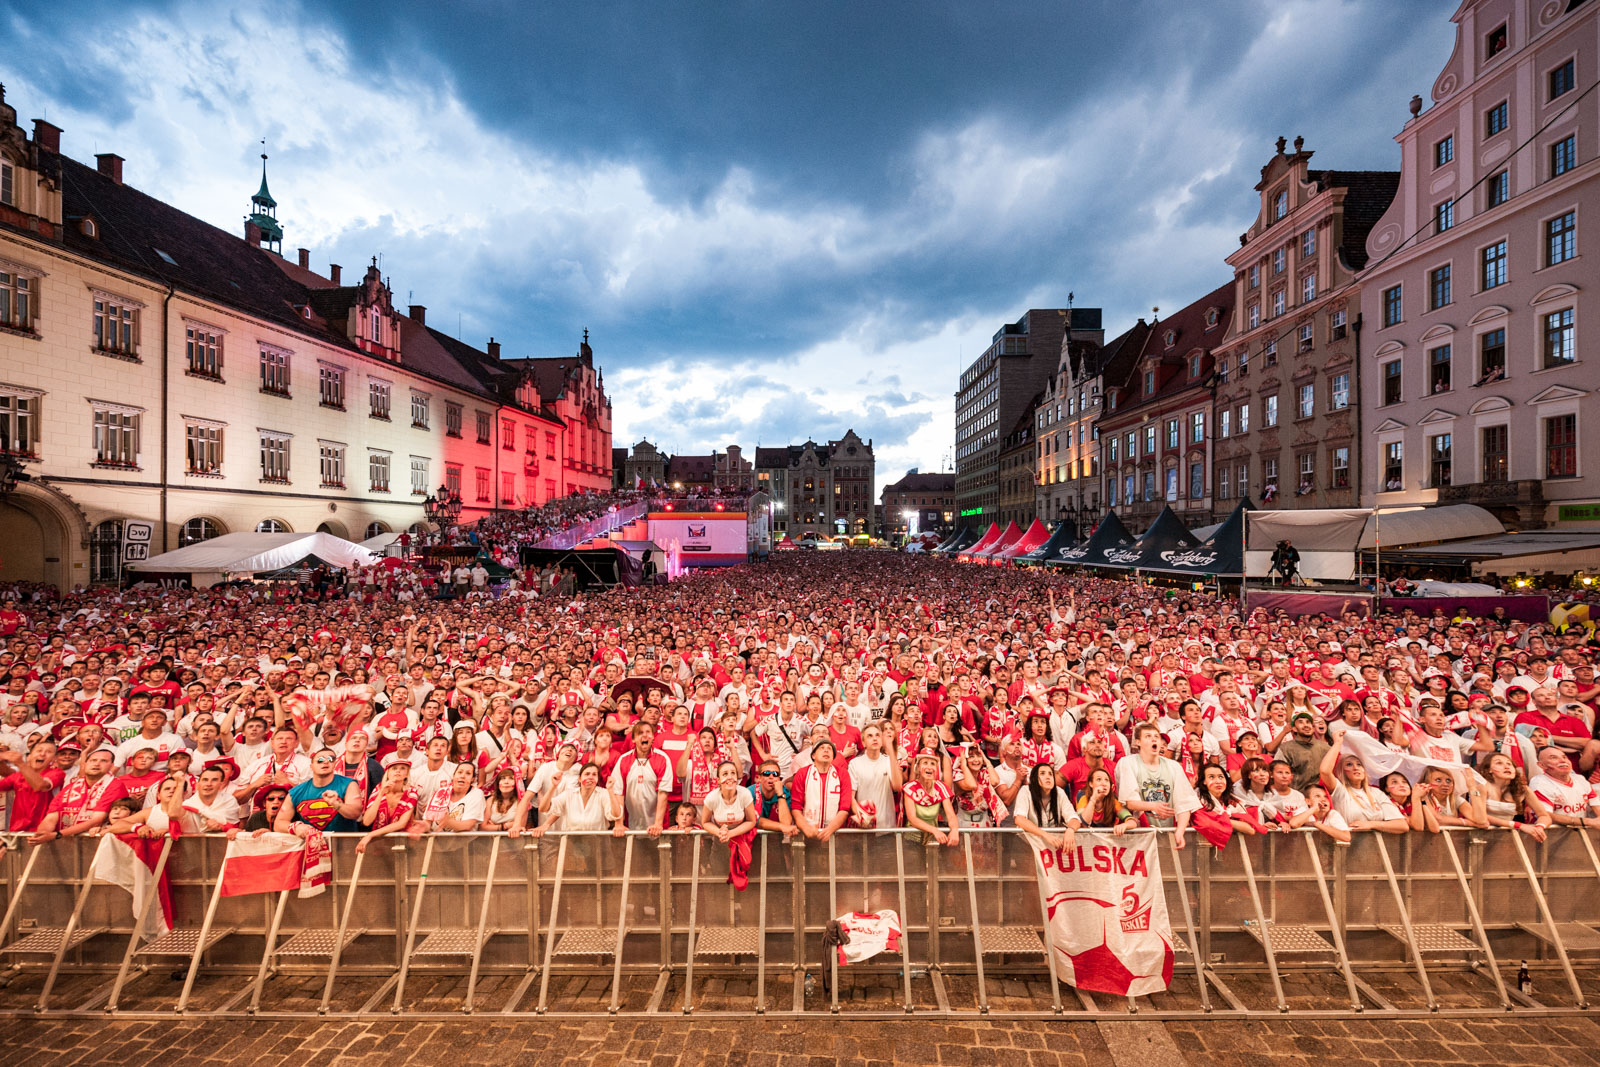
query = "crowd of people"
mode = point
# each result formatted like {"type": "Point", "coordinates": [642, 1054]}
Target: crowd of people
{"type": "Point", "coordinates": [798, 696]}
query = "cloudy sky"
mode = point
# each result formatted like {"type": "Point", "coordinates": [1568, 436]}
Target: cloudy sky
{"type": "Point", "coordinates": [778, 220]}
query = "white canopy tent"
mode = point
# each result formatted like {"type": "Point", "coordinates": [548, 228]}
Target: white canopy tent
{"type": "Point", "coordinates": [207, 562]}
{"type": "Point", "coordinates": [1388, 529]}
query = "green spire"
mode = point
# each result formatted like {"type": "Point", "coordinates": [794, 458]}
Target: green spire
{"type": "Point", "coordinates": [264, 213]}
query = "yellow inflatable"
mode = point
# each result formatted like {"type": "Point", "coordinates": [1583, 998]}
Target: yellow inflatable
{"type": "Point", "coordinates": [1568, 615]}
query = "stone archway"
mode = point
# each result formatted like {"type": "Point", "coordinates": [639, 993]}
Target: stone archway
{"type": "Point", "coordinates": [335, 527]}
{"type": "Point", "coordinates": [41, 538]}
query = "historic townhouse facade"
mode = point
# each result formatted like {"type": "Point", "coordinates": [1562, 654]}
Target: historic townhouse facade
{"type": "Point", "coordinates": [1155, 425]}
{"type": "Point", "coordinates": [919, 503]}
{"type": "Point", "coordinates": [1019, 471]}
{"type": "Point", "coordinates": [1478, 378]}
{"type": "Point", "coordinates": [1286, 411]}
{"type": "Point", "coordinates": [156, 368]}
{"type": "Point", "coordinates": [819, 488]}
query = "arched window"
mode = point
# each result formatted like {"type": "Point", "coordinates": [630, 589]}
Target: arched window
{"type": "Point", "coordinates": [196, 530]}
{"type": "Point", "coordinates": [374, 529]}
{"type": "Point", "coordinates": [272, 526]}
{"type": "Point", "coordinates": [417, 528]}
{"type": "Point", "coordinates": [105, 552]}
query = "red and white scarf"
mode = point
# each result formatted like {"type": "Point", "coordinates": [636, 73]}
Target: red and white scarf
{"type": "Point", "coordinates": [926, 798]}
{"type": "Point", "coordinates": [822, 798]}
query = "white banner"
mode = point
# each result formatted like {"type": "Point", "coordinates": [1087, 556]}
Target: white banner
{"type": "Point", "coordinates": [1107, 914]}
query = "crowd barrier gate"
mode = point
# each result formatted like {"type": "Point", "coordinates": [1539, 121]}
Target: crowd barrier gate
{"type": "Point", "coordinates": [579, 923]}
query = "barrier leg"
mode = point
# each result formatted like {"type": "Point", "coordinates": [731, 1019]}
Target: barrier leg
{"type": "Point", "coordinates": [977, 932]}
{"type": "Point", "coordinates": [550, 935]}
{"type": "Point", "coordinates": [1405, 923]}
{"type": "Point", "coordinates": [16, 894]}
{"type": "Point", "coordinates": [1044, 919]}
{"type": "Point", "coordinates": [483, 924]}
{"type": "Point", "coordinates": [797, 879]}
{"type": "Point", "coordinates": [905, 921]}
{"type": "Point", "coordinates": [1477, 920]}
{"type": "Point", "coordinates": [1333, 921]}
{"type": "Point", "coordinates": [1266, 931]}
{"type": "Point", "coordinates": [761, 934]}
{"type": "Point", "coordinates": [338, 939]}
{"type": "Point", "coordinates": [622, 926]}
{"type": "Point", "coordinates": [831, 958]}
{"type": "Point", "coordinates": [1549, 920]}
{"type": "Point", "coordinates": [140, 917]}
{"type": "Point", "coordinates": [66, 936]}
{"type": "Point", "coordinates": [205, 933]}
{"type": "Point", "coordinates": [1188, 924]}
{"type": "Point", "coordinates": [411, 928]}
{"type": "Point", "coordinates": [694, 917]}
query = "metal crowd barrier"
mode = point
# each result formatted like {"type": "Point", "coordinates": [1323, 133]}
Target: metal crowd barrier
{"type": "Point", "coordinates": [579, 923]}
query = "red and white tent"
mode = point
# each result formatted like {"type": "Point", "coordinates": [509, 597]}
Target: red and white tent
{"type": "Point", "coordinates": [1035, 536]}
{"type": "Point", "coordinates": [1010, 537]}
{"type": "Point", "coordinates": [990, 536]}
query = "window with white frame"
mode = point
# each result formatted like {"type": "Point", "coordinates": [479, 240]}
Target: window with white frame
{"type": "Point", "coordinates": [196, 530]}
{"type": "Point", "coordinates": [1308, 471]}
{"type": "Point", "coordinates": [1339, 392]}
{"type": "Point", "coordinates": [1278, 303]}
{"type": "Point", "coordinates": [1280, 206]}
{"type": "Point", "coordinates": [1559, 338]}
{"type": "Point", "coordinates": [485, 427]}
{"type": "Point", "coordinates": [1498, 189]}
{"type": "Point", "coordinates": [1150, 440]}
{"type": "Point", "coordinates": [19, 420]}
{"type": "Point", "coordinates": [378, 398]}
{"type": "Point", "coordinates": [1224, 484]}
{"type": "Point", "coordinates": [482, 479]}
{"type": "Point", "coordinates": [1197, 427]}
{"type": "Point", "coordinates": [17, 290]}
{"type": "Point", "coordinates": [1244, 418]}
{"type": "Point", "coordinates": [1307, 336]}
{"type": "Point", "coordinates": [1269, 473]}
{"type": "Point", "coordinates": [452, 419]}
{"type": "Point", "coordinates": [116, 324]}
{"type": "Point", "coordinates": [1339, 468]}
{"type": "Point", "coordinates": [1308, 288]}
{"type": "Point", "coordinates": [1439, 369]}
{"type": "Point", "coordinates": [1563, 155]}
{"type": "Point", "coordinates": [1280, 260]}
{"type": "Point", "coordinates": [1494, 265]}
{"type": "Point", "coordinates": [419, 476]}
{"type": "Point", "coordinates": [202, 446]}
{"type": "Point", "coordinates": [272, 526]}
{"type": "Point", "coordinates": [1308, 244]}
{"type": "Point", "coordinates": [1336, 325]}
{"type": "Point", "coordinates": [1444, 215]}
{"type": "Point", "coordinates": [1172, 433]}
{"type": "Point", "coordinates": [274, 456]}
{"type": "Point", "coordinates": [116, 434]}
{"type": "Point", "coordinates": [274, 370]}
{"type": "Point", "coordinates": [1269, 410]}
{"type": "Point", "coordinates": [1255, 275]}
{"type": "Point", "coordinates": [1394, 466]}
{"type": "Point", "coordinates": [419, 410]}
{"type": "Point", "coordinates": [378, 471]}
{"type": "Point", "coordinates": [1253, 315]}
{"type": "Point", "coordinates": [330, 456]}
{"type": "Point", "coordinates": [1269, 354]}
{"type": "Point", "coordinates": [1224, 423]}
{"type": "Point", "coordinates": [330, 386]}
{"type": "Point", "coordinates": [202, 347]}
{"type": "Point", "coordinates": [1307, 405]}
{"type": "Point", "coordinates": [1439, 460]}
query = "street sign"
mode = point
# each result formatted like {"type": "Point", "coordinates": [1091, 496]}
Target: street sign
{"type": "Point", "coordinates": [136, 541]}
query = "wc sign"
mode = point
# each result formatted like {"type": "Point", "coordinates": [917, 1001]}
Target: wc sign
{"type": "Point", "coordinates": [136, 541]}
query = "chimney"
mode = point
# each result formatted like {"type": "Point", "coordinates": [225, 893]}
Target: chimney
{"type": "Point", "coordinates": [333, 272]}
{"type": "Point", "coordinates": [252, 234]}
{"type": "Point", "coordinates": [419, 314]}
{"type": "Point", "coordinates": [494, 348]}
{"type": "Point", "coordinates": [47, 135]}
{"type": "Point", "coordinates": [110, 164]}
{"type": "Point", "coordinates": [305, 259]}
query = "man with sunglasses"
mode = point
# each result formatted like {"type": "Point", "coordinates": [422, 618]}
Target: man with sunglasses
{"type": "Point", "coordinates": [772, 800]}
{"type": "Point", "coordinates": [326, 802]}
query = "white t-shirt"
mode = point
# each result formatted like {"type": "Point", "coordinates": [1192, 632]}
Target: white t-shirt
{"type": "Point", "coordinates": [569, 812]}
{"type": "Point", "coordinates": [1335, 821]}
{"type": "Point", "coordinates": [1284, 805]}
{"type": "Point", "coordinates": [427, 782]}
{"type": "Point", "coordinates": [726, 812]}
{"type": "Point", "coordinates": [549, 774]}
{"type": "Point", "coordinates": [469, 807]}
{"type": "Point", "coordinates": [223, 808]}
{"type": "Point", "coordinates": [870, 779]}
{"type": "Point", "coordinates": [1449, 747]}
{"type": "Point", "coordinates": [1023, 808]}
{"type": "Point", "coordinates": [1575, 798]}
{"type": "Point", "coordinates": [1162, 783]}
{"type": "Point", "coordinates": [1373, 807]}
{"type": "Point", "coordinates": [164, 743]}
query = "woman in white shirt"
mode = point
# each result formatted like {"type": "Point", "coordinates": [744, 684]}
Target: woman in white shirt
{"type": "Point", "coordinates": [588, 807]}
{"type": "Point", "coordinates": [1362, 806]}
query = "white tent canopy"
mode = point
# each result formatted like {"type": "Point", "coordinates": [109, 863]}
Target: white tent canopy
{"type": "Point", "coordinates": [1451, 522]}
{"type": "Point", "coordinates": [251, 553]}
{"type": "Point", "coordinates": [1325, 538]}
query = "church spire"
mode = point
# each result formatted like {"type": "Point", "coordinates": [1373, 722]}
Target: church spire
{"type": "Point", "coordinates": [264, 213]}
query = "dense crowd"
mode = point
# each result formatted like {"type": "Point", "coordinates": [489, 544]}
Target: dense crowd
{"type": "Point", "coordinates": [798, 696]}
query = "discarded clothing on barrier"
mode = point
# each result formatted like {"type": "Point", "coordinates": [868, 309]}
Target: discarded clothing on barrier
{"type": "Point", "coordinates": [862, 935]}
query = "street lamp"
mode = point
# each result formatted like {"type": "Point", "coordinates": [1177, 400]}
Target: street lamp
{"type": "Point", "coordinates": [443, 507]}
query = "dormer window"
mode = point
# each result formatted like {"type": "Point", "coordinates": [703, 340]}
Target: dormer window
{"type": "Point", "coordinates": [88, 228]}
{"type": "Point", "coordinates": [1194, 366]}
{"type": "Point", "coordinates": [377, 327]}
{"type": "Point", "coordinates": [1211, 317]}
{"type": "Point", "coordinates": [1280, 205]}
{"type": "Point", "coordinates": [1171, 338]}
{"type": "Point", "coordinates": [1149, 383]}
{"type": "Point", "coordinates": [8, 184]}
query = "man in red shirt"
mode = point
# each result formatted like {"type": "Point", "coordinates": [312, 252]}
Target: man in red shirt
{"type": "Point", "coordinates": [33, 778]}
{"type": "Point", "coordinates": [83, 803]}
{"type": "Point", "coordinates": [157, 683]}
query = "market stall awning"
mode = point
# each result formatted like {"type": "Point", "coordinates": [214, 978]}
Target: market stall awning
{"type": "Point", "coordinates": [1420, 526]}
{"type": "Point", "coordinates": [990, 536]}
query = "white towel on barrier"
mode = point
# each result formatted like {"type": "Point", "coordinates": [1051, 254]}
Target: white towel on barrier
{"type": "Point", "coordinates": [867, 934]}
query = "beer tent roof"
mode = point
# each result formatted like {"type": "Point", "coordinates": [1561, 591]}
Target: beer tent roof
{"type": "Point", "coordinates": [957, 540]}
{"type": "Point", "coordinates": [1109, 535]}
{"type": "Point", "coordinates": [1061, 539]}
{"type": "Point", "coordinates": [1220, 554]}
{"type": "Point", "coordinates": [1166, 534]}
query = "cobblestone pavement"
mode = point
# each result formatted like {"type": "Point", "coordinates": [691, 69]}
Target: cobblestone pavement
{"type": "Point", "coordinates": [775, 1043]}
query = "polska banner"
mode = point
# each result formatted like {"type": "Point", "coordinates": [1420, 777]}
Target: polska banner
{"type": "Point", "coordinates": [1107, 914]}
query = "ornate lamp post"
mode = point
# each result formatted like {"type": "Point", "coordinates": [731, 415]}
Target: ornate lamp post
{"type": "Point", "coordinates": [442, 508]}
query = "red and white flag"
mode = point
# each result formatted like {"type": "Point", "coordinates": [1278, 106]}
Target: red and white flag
{"type": "Point", "coordinates": [130, 861]}
{"type": "Point", "coordinates": [1108, 914]}
{"type": "Point", "coordinates": [273, 863]}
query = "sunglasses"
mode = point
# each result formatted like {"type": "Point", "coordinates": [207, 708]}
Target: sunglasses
{"type": "Point", "coordinates": [769, 774]}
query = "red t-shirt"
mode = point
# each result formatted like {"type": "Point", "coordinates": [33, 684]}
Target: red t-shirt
{"type": "Point", "coordinates": [136, 786]}
{"type": "Point", "coordinates": [1560, 726]}
{"type": "Point", "coordinates": [28, 807]}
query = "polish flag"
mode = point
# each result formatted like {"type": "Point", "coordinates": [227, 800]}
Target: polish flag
{"type": "Point", "coordinates": [130, 861]}
{"type": "Point", "coordinates": [273, 863]}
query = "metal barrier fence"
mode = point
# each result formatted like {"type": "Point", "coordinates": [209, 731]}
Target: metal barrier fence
{"type": "Point", "coordinates": [580, 923]}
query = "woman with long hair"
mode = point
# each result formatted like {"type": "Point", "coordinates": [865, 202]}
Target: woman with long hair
{"type": "Point", "coordinates": [696, 769]}
{"type": "Point", "coordinates": [1397, 787]}
{"type": "Point", "coordinates": [504, 805]}
{"type": "Point", "coordinates": [588, 807]}
{"type": "Point", "coordinates": [1215, 790]}
{"type": "Point", "coordinates": [1509, 801]}
{"type": "Point", "coordinates": [390, 807]}
{"type": "Point", "coordinates": [729, 814]}
{"type": "Point", "coordinates": [1042, 806]}
{"type": "Point", "coordinates": [1353, 797]}
{"type": "Point", "coordinates": [977, 799]}
{"type": "Point", "coordinates": [1099, 807]}
{"type": "Point", "coordinates": [927, 801]}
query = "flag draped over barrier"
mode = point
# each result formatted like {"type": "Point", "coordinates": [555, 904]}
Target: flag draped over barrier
{"type": "Point", "coordinates": [1108, 914]}
{"type": "Point", "coordinates": [274, 862]}
{"type": "Point", "coordinates": [130, 862]}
